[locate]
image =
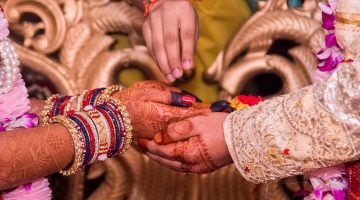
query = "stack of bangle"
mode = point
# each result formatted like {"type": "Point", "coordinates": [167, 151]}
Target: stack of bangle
{"type": "Point", "coordinates": [99, 124]}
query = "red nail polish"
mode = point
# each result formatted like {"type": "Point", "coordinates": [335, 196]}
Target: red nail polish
{"type": "Point", "coordinates": [188, 100]}
{"type": "Point", "coordinates": [143, 143]}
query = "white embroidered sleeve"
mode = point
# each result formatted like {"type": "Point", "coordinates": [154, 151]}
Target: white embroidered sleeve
{"type": "Point", "coordinates": [316, 127]}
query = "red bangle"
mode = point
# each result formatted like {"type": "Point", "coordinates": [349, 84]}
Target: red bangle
{"type": "Point", "coordinates": [147, 5]}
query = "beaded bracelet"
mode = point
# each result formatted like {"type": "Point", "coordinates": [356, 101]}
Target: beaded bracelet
{"type": "Point", "coordinates": [93, 135]}
{"type": "Point", "coordinates": [59, 105]}
{"type": "Point", "coordinates": [48, 105]}
{"type": "Point", "coordinates": [86, 136]}
{"type": "Point", "coordinates": [124, 115]}
{"type": "Point", "coordinates": [100, 127]}
{"type": "Point", "coordinates": [78, 144]}
{"type": "Point", "coordinates": [103, 132]}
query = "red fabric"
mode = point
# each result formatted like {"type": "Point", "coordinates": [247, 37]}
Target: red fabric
{"type": "Point", "coordinates": [353, 172]}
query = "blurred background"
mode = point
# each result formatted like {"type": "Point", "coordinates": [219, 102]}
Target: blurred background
{"type": "Point", "coordinates": [245, 47]}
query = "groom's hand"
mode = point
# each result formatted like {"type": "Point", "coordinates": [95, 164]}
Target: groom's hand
{"type": "Point", "coordinates": [194, 145]}
{"type": "Point", "coordinates": [152, 105]}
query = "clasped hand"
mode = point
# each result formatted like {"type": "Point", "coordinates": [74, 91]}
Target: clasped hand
{"type": "Point", "coordinates": [193, 145]}
{"type": "Point", "coordinates": [174, 129]}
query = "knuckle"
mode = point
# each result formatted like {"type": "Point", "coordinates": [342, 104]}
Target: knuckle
{"type": "Point", "coordinates": [170, 39]}
{"type": "Point", "coordinates": [157, 46]}
{"type": "Point", "coordinates": [188, 34]}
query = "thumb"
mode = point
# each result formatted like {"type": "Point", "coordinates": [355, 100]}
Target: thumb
{"type": "Point", "coordinates": [176, 131]}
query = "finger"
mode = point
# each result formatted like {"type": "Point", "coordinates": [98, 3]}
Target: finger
{"type": "Point", "coordinates": [178, 131]}
{"type": "Point", "coordinates": [172, 41]}
{"type": "Point", "coordinates": [165, 151]}
{"type": "Point", "coordinates": [173, 113]}
{"type": "Point", "coordinates": [196, 32]}
{"type": "Point", "coordinates": [183, 151]}
{"type": "Point", "coordinates": [168, 98]}
{"type": "Point", "coordinates": [160, 96]}
{"type": "Point", "coordinates": [174, 165]}
{"type": "Point", "coordinates": [158, 45]}
{"type": "Point", "coordinates": [188, 38]}
{"type": "Point", "coordinates": [151, 84]}
{"type": "Point", "coordinates": [146, 29]}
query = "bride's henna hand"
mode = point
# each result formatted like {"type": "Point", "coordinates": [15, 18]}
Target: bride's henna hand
{"type": "Point", "coordinates": [149, 118]}
{"type": "Point", "coordinates": [197, 145]}
{"type": "Point", "coordinates": [191, 155]}
{"type": "Point", "coordinates": [158, 92]}
{"type": "Point", "coordinates": [152, 105]}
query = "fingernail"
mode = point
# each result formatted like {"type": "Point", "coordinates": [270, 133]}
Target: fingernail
{"type": "Point", "coordinates": [158, 138]}
{"type": "Point", "coordinates": [182, 100]}
{"type": "Point", "coordinates": [170, 78]}
{"type": "Point", "coordinates": [177, 73]}
{"type": "Point", "coordinates": [188, 100]}
{"type": "Point", "coordinates": [188, 64]}
{"type": "Point", "coordinates": [190, 94]}
{"type": "Point", "coordinates": [143, 143]}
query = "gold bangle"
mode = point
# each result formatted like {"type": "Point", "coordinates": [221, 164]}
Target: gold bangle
{"type": "Point", "coordinates": [46, 111]}
{"type": "Point", "coordinates": [78, 144]}
{"type": "Point", "coordinates": [109, 91]}
{"type": "Point", "coordinates": [127, 122]}
{"type": "Point", "coordinates": [106, 97]}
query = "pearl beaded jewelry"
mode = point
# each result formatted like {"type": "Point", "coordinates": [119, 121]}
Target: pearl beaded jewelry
{"type": "Point", "coordinates": [9, 68]}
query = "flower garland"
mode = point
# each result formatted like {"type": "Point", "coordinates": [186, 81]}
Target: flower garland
{"type": "Point", "coordinates": [330, 56]}
{"type": "Point", "coordinates": [14, 110]}
{"type": "Point", "coordinates": [331, 182]}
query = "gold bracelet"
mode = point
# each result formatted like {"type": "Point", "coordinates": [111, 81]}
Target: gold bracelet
{"type": "Point", "coordinates": [109, 91]}
{"type": "Point", "coordinates": [46, 111]}
{"type": "Point", "coordinates": [106, 97]}
{"type": "Point", "coordinates": [127, 122]}
{"type": "Point", "coordinates": [78, 144]}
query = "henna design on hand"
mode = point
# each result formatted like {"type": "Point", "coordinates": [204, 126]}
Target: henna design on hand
{"type": "Point", "coordinates": [175, 132]}
{"type": "Point", "coordinates": [28, 154]}
{"type": "Point", "coordinates": [194, 154]}
{"type": "Point", "coordinates": [149, 118]}
{"type": "Point", "coordinates": [157, 85]}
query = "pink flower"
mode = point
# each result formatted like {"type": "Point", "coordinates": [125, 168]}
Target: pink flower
{"type": "Point", "coordinates": [331, 55]}
{"type": "Point", "coordinates": [28, 120]}
{"type": "Point", "coordinates": [15, 103]}
{"type": "Point", "coordinates": [328, 15]}
{"type": "Point", "coordinates": [2, 128]}
{"type": "Point", "coordinates": [4, 31]}
{"type": "Point", "coordinates": [328, 182]}
{"type": "Point", "coordinates": [38, 189]}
